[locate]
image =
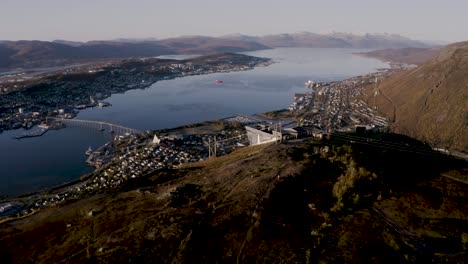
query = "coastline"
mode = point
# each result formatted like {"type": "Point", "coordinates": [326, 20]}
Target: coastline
{"type": "Point", "coordinates": [81, 181]}
{"type": "Point", "coordinates": [76, 111]}
{"type": "Point", "coordinates": [103, 85]}
{"type": "Point", "coordinates": [257, 116]}
{"type": "Point", "coordinates": [25, 198]}
{"type": "Point", "coordinates": [83, 178]}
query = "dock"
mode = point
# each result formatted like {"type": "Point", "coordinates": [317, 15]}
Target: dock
{"type": "Point", "coordinates": [36, 133]}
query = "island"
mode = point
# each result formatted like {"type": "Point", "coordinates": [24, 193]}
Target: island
{"type": "Point", "coordinates": [27, 99]}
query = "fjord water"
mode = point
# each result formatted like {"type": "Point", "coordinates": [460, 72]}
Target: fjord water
{"type": "Point", "coordinates": [57, 157]}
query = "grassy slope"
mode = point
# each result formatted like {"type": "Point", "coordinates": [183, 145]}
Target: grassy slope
{"type": "Point", "coordinates": [267, 204]}
{"type": "Point", "coordinates": [432, 100]}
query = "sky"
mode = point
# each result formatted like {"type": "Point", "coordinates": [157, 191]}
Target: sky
{"type": "Point", "coordinates": [83, 20]}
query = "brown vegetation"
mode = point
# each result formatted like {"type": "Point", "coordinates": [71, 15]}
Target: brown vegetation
{"type": "Point", "coordinates": [431, 101]}
{"type": "Point", "coordinates": [264, 204]}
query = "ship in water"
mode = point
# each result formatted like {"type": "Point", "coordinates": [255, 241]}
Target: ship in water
{"type": "Point", "coordinates": [89, 151]}
{"type": "Point", "coordinates": [102, 104]}
{"type": "Point", "coordinates": [219, 81]}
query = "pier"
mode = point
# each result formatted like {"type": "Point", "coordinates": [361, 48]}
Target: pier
{"type": "Point", "coordinates": [36, 133]}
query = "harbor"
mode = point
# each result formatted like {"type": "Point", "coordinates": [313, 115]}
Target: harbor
{"type": "Point", "coordinates": [100, 156]}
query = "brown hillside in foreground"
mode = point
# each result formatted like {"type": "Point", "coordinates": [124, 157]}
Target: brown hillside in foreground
{"type": "Point", "coordinates": [431, 101]}
{"type": "Point", "coordinates": [264, 204]}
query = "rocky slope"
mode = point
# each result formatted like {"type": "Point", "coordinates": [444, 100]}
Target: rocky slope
{"type": "Point", "coordinates": [431, 102]}
{"type": "Point", "coordinates": [301, 203]}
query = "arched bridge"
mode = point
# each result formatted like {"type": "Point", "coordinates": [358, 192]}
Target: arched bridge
{"type": "Point", "coordinates": [99, 125]}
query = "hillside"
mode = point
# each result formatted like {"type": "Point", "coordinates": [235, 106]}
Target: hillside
{"type": "Point", "coordinates": [431, 101]}
{"type": "Point", "coordinates": [268, 204]}
{"type": "Point", "coordinates": [29, 54]}
{"type": "Point", "coordinates": [207, 45]}
{"type": "Point", "coordinates": [416, 56]}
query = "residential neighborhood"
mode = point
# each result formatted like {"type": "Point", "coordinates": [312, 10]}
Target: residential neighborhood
{"type": "Point", "coordinates": [343, 105]}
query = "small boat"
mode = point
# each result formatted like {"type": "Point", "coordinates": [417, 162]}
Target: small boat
{"type": "Point", "coordinates": [104, 104]}
{"type": "Point", "coordinates": [89, 151]}
{"type": "Point", "coordinates": [218, 81]}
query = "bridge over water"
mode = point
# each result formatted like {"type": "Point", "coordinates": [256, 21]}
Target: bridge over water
{"type": "Point", "coordinates": [99, 125]}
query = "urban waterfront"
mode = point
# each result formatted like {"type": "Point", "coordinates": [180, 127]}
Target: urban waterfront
{"type": "Point", "coordinates": [55, 158]}
{"type": "Point", "coordinates": [58, 156]}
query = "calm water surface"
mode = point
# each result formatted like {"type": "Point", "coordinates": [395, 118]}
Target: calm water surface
{"type": "Point", "coordinates": [58, 156]}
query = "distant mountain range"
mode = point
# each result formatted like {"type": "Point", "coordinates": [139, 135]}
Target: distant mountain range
{"type": "Point", "coordinates": [431, 102]}
{"type": "Point", "coordinates": [29, 54]}
{"type": "Point", "coordinates": [332, 40]}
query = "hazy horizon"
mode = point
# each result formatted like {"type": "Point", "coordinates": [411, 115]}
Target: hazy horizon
{"type": "Point", "coordinates": [150, 38]}
{"type": "Point", "coordinates": [112, 19]}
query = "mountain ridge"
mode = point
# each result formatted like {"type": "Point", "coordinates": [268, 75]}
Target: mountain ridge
{"type": "Point", "coordinates": [34, 53]}
{"type": "Point", "coordinates": [331, 40]}
{"type": "Point", "coordinates": [30, 54]}
{"type": "Point", "coordinates": [430, 102]}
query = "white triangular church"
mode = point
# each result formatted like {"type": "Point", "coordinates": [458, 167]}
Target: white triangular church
{"type": "Point", "coordinates": [156, 140]}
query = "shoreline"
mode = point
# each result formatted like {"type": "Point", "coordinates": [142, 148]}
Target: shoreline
{"type": "Point", "coordinates": [85, 177]}
{"type": "Point", "coordinates": [90, 174]}
{"type": "Point", "coordinates": [256, 116]}
{"type": "Point", "coordinates": [77, 110]}
{"type": "Point", "coordinates": [27, 200]}
{"type": "Point", "coordinates": [105, 90]}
